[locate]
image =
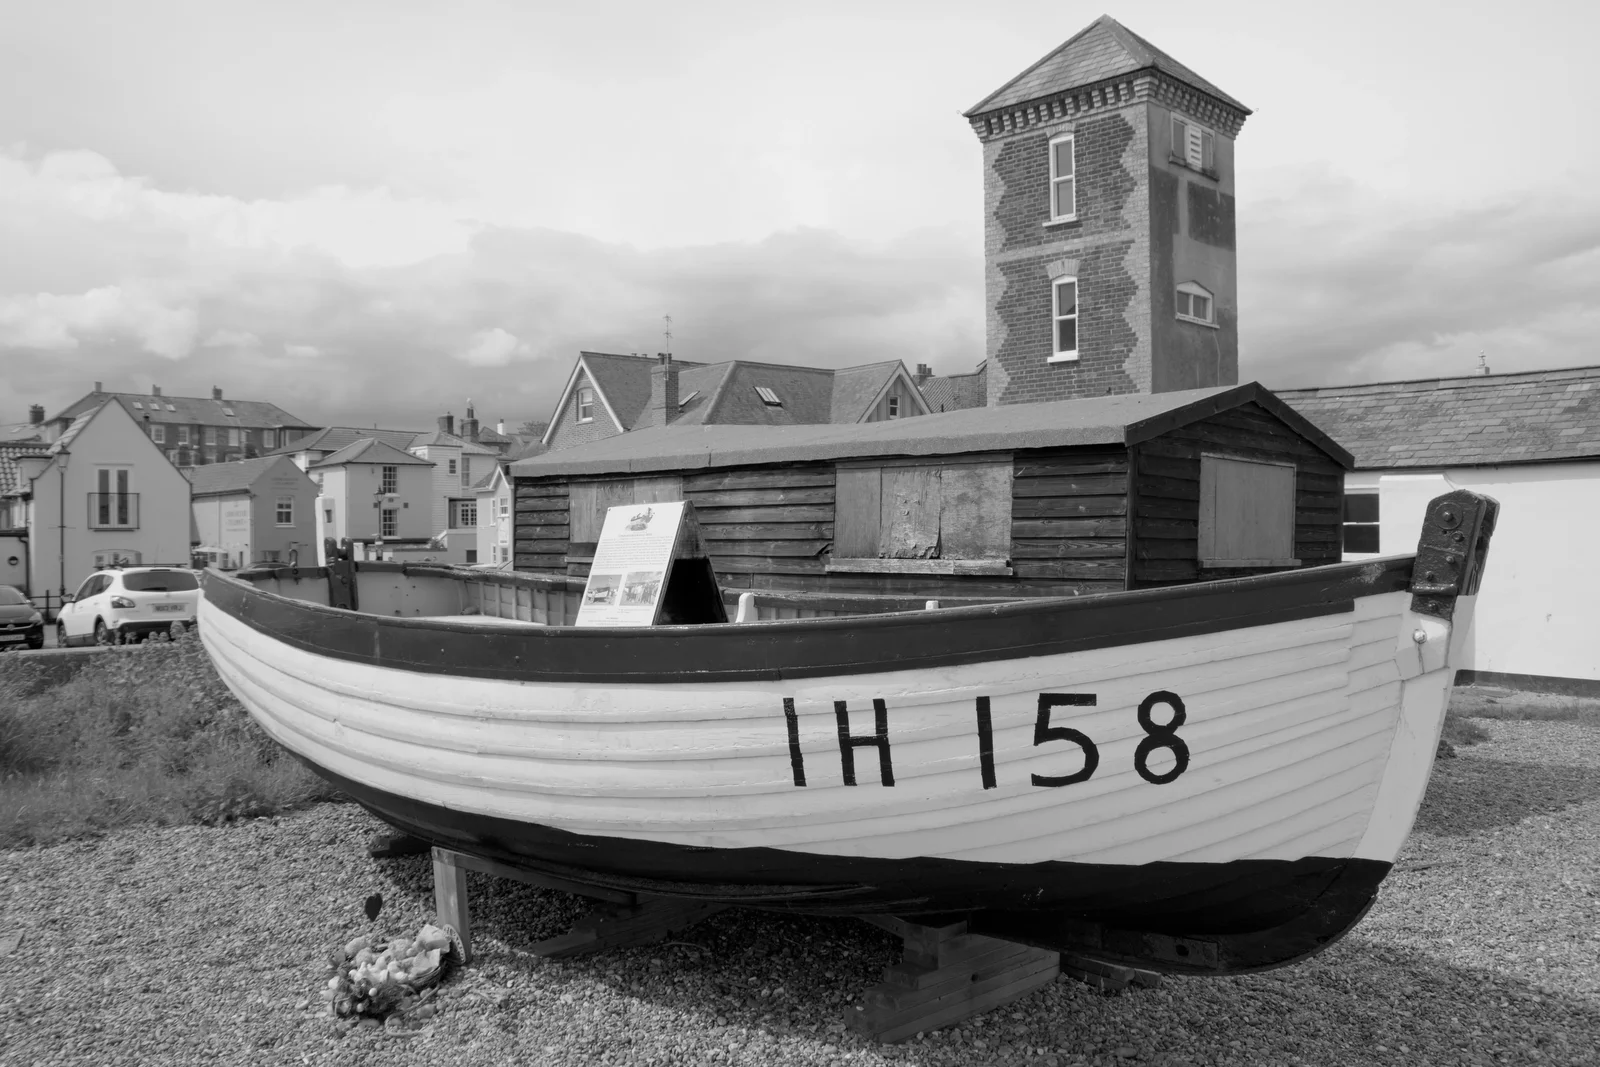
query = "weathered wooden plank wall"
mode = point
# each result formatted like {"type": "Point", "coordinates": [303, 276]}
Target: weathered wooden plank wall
{"type": "Point", "coordinates": [1166, 490]}
{"type": "Point", "coordinates": [1069, 521]}
{"type": "Point", "coordinates": [541, 526]}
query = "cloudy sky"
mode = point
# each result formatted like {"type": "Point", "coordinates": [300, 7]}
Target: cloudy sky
{"type": "Point", "coordinates": [369, 211]}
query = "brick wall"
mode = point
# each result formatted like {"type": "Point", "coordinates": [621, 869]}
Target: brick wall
{"type": "Point", "coordinates": [569, 431]}
{"type": "Point", "coordinates": [1106, 247]}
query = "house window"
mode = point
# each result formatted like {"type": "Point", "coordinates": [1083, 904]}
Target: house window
{"type": "Point", "coordinates": [472, 555]}
{"type": "Point", "coordinates": [113, 507]}
{"type": "Point", "coordinates": [1195, 304]}
{"type": "Point", "coordinates": [1194, 145]}
{"type": "Point", "coordinates": [585, 409]}
{"type": "Point", "coordinates": [211, 435]}
{"type": "Point", "coordinates": [233, 437]}
{"type": "Point", "coordinates": [285, 511]}
{"type": "Point", "coordinates": [1246, 513]}
{"type": "Point", "coordinates": [268, 439]}
{"type": "Point", "coordinates": [768, 397]}
{"type": "Point", "coordinates": [505, 554]}
{"type": "Point", "coordinates": [1361, 522]}
{"type": "Point", "coordinates": [389, 482]}
{"type": "Point", "coordinates": [388, 522]}
{"type": "Point", "coordinates": [894, 407]}
{"type": "Point", "coordinates": [941, 517]}
{"type": "Point", "coordinates": [1063, 179]}
{"type": "Point", "coordinates": [229, 412]}
{"type": "Point", "coordinates": [183, 435]}
{"type": "Point", "coordinates": [466, 471]}
{"type": "Point", "coordinates": [138, 405]}
{"type": "Point", "coordinates": [158, 433]}
{"type": "Point", "coordinates": [463, 513]}
{"type": "Point", "coordinates": [452, 465]}
{"type": "Point", "coordinates": [270, 555]}
{"type": "Point", "coordinates": [1065, 312]}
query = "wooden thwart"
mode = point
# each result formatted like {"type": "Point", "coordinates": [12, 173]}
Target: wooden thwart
{"type": "Point", "coordinates": [945, 976]}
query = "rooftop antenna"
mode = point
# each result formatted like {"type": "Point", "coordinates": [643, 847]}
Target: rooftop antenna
{"type": "Point", "coordinates": [668, 332]}
{"type": "Point", "coordinates": [1483, 362]}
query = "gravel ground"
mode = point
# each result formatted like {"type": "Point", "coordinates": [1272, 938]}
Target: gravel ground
{"type": "Point", "coordinates": [194, 945]}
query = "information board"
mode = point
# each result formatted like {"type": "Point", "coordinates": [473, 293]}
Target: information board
{"type": "Point", "coordinates": [631, 565]}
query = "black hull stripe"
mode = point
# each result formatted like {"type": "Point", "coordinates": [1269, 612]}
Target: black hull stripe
{"type": "Point", "coordinates": [1259, 913]}
{"type": "Point", "coordinates": [807, 648]}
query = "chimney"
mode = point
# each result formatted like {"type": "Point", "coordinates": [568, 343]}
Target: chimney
{"type": "Point", "coordinates": [155, 390]}
{"type": "Point", "coordinates": [447, 423]}
{"type": "Point", "coordinates": [469, 424]}
{"type": "Point", "coordinates": [924, 372]}
{"type": "Point", "coordinates": [97, 387]}
{"type": "Point", "coordinates": [36, 414]}
{"type": "Point", "coordinates": [499, 427]}
{"type": "Point", "coordinates": [216, 393]}
{"type": "Point", "coordinates": [664, 387]}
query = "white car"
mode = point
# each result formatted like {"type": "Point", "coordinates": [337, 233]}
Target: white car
{"type": "Point", "coordinates": [128, 603]}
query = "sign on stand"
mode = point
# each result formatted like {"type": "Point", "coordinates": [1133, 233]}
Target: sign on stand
{"type": "Point", "coordinates": [650, 567]}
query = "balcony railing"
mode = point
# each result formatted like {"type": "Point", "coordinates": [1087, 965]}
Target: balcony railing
{"type": "Point", "coordinates": [113, 511]}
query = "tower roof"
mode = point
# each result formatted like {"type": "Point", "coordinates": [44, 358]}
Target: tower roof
{"type": "Point", "coordinates": [1104, 49]}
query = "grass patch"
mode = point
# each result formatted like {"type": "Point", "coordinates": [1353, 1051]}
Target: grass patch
{"type": "Point", "coordinates": [1461, 731]}
{"type": "Point", "coordinates": [143, 735]}
{"type": "Point", "coordinates": [1491, 702]}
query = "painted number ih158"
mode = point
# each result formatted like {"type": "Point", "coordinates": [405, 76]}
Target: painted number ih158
{"type": "Point", "coordinates": [1158, 737]}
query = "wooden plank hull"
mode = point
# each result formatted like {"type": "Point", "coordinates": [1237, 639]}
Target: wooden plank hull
{"type": "Point", "coordinates": [1206, 780]}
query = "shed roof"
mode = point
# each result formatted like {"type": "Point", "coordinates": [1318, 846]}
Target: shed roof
{"type": "Point", "coordinates": [1476, 420]}
{"type": "Point", "coordinates": [368, 450]}
{"type": "Point", "coordinates": [1103, 49]}
{"type": "Point", "coordinates": [215, 479]}
{"type": "Point", "coordinates": [1123, 419]}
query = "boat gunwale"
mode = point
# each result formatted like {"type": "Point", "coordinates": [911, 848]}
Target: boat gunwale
{"type": "Point", "coordinates": [774, 649]}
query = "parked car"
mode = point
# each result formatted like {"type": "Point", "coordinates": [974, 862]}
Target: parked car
{"type": "Point", "coordinates": [120, 604]}
{"type": "Point", "coordinates": [21, 625]}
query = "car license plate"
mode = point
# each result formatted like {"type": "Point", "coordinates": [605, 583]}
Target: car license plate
{"type": "Point", "coordinates": [13, 637]}
{"type": "Point", "coordinates": [169, 607]}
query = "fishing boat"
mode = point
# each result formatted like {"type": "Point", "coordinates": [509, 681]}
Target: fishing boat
{"type": "Point", "coordinates": [1210, 778]}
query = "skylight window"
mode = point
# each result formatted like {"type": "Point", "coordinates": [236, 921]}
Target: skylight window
{"type": "Point", "coordinates": [688, 398]}
{"type": "Point", "coordinates": [169, 407]}
{"type": "Point", "coordinates": [229, 412]}
{"type": "Point", "coordinates": [768, 397]}
{"type": "Point", "coordinates": [139, 405]}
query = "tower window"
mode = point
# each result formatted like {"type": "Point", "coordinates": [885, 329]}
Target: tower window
{"type": "Point", "coordinates": [1196, 305]}
{"type": "Point", "coordinates": [1194, 145]}
{"type": "Point", "coordinates": [1063, 179]}
{"type": "Point", "coordinates": [1065, 314]}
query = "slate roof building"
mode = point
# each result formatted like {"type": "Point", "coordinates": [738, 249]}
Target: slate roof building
{"type": "Point", "coordinates": [954, 392]}
{"type": "Point", "coordinates": [1108, 223]}
{"type": "Point", "coordinates": [1531, 441]}
{"type": "Point", "coordinates": [253, 510]}
{"type": "Point", "coordinates": [378, 496]}
{"type": "Point", "coordinates": [196, 430]}
{"type": "Point", "coordinates": [608, 394]}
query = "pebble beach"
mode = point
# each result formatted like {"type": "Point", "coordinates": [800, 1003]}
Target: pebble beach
{"type": "Point", "coordinates": [209, 945]}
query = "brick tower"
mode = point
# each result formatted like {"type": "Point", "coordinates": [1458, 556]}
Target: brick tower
{"type": "Point", "coordinates": [1108, 224]}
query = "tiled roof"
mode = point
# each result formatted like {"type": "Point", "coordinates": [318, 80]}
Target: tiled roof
{"type": "Point", "coordinates": [625, 380]}
{"type": "Point", "coordinates": [1479, 420]}
{"type": "Point", "coordinates": [1104, 49]}
{"type": "Point", "coordinates": [439, 437]}
{"type": "Point", "coordinates": [855, 388]}
{"type": "Point", "coordinates": [956, 392]}
{"type": "Point", "coordinates": [1120, 419]}
{"type": "Point", "coordinates": [698, 387]}
{"type": "Point", "coordinates": [805, 395]}
{"type": "Point", "coordinates": [236, 477]}
{"type": "Point", "coordinates": [248, 414]}
{"type": "Point", "coordinates": [368, 450]}
{"type": "Point", "coordinates": [10, 476]}
{"type": "Point", "coordinates": [334, 438]}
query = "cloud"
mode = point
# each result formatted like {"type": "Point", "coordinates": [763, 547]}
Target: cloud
{"type": "Point", "coordinates": [491, 348]}
{"type": "Point", "coordinates": [63, 322]}
{"type": "Point", "coordinates": [231, 339]}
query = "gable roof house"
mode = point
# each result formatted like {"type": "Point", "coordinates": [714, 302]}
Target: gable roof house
{"type": "Point", "coordinates": [459, 464]}
{"type": "Point", "coordinates": [377, 496]}
{"type": "Point", "coordinates": [253, 510]}
{"type": "Point", "coordinates": [608, 394]}
{"type": "Point", "coordinates": [1531, 441]}
{"type": "Point", "coordinates": [196, 430]}
{"type": "Point", "coordinates": [315, 447]}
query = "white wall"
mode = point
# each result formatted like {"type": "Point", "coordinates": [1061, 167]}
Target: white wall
{"type": "Point", "coordinates": [1535, 611]}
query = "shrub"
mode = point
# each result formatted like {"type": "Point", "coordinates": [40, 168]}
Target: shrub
{"type": "Point", "coordinates": [144, 734]}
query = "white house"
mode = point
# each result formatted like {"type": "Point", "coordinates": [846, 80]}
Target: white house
{"type": "Point", "coordinates": [102, 493]}
{"type": "Point", "coordinates": [254, 510]}
{"type": "Point", "coordinates": [379, 498]}
{"type": "Point", "coordinates": [1531, 441]}
{"type": "Point", "coordinates": [494, 518]}
{"type": "Point", "coordinates": [458, 465]}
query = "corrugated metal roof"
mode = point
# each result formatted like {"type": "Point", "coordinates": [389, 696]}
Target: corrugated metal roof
{"type": "Point", "coordinates": [1103, 49]}
{"type": "Point", "coordinates": [1476, 420]}
{"type": "Point", "coordinates": [1095, 421]}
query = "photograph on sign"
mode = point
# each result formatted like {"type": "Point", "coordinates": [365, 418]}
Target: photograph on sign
{"type": "Point", "coordinates": [602, 589]}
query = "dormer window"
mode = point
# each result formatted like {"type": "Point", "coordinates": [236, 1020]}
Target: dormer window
{"type": "Point", "coordinates": [894, 407]}
{"type": "Point", "coordinates": [768, 397]}
{"type": "Point", "coordinates": [1195, 304]}
{"type": "Point", "coordinates": [1063, 179]}
{"type": "Point", "coordinates": [1065, 313]}
{"type": "Point", "coordinates": [1194, 145]}
{"type": "Point", "coordinates": [585, 409]}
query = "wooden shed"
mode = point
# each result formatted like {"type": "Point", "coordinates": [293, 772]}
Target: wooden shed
{"type": "Point", "coordinates": [1062, 498]}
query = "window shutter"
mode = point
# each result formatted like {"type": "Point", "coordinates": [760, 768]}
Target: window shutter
{"type": "Point", "coordinates": [1246, 512]}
